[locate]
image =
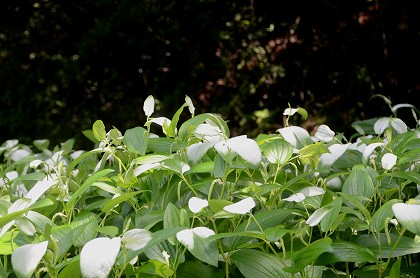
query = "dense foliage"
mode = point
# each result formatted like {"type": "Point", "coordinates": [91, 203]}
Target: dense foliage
{"type": "Point", "coordinates": [198, 202]}
{"type": "Point", "coordinates": [65, 64]}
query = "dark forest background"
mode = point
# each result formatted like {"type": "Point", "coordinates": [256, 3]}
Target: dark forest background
{"type": "Point", "coordinates": [65, 64]}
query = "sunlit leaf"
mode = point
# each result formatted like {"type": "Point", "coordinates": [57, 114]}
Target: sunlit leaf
{"type": "Point", "coordinates": [99, 130]}
{"type": "Point", "coordinates": [149, 106]}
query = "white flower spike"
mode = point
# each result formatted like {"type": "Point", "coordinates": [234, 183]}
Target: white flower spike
{"type": "Point", "coordinates": [98, 256]}
{"type": "Point", "coordinates": [196, 204]}
{"type": "Point", "coordinates": [241, 207]}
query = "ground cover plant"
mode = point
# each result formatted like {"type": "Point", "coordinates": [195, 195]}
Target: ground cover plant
{"type": "Point", "coordinates": [172, 199]}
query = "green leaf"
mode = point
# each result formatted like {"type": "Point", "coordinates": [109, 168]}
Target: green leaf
{"type": "Point", "coordinates": [395, 269]}
{"type": "Point", "coordinates": [203, 248]}
{"type": "Point", "coordinates": [171, 131]}
{"type": "Point", "coordinates": [63, 235]}
{"type": "Point", "coordinates": [116, 201]}
{"type": "Point", "coordinates": [203, 167]}
{"type": "Point", "coordinates": [84, 228]}
{"type": "Point", "coordinates": [85, 186]}
{"type": "Point", "coordinates": [157, 237]}
{"type": "Point", "coordinates": [189, 126]}
{"type": "Point", "coordinates": [383, 214]}
{"type": "Point", "coordinates": [253, 263]}
{"type": "Point", "coordinates": [99, 130]}
{"type": "Point", "coordinates": [197, 269]}
{"type": "Point", "coordinates": [136, 140]}
{"type": "Point", "coordinates": [110, 231]}
{"type": "Point", "coordinates": [162, 145]}
{"type": "Point", "coordinates": [7, 243]}
{"type": "Point", "coordinates": [71, 270]}
{"type": "Point", "coordinates": [309, 254]}
{"type": "Point", "coordinates": [12, 216]}
{"type": "Point", "coordinates": [398, 246]}
{"type": "Point", "coordinates": [343, 251]}
{"type": "Point", "coordinates": [354, 201]}
{"type": "Point", "coordinates": [277, 151]}
{"type": "Point", "coordinates": [171, 217]}
{"type": "Point", "coordinates": [329, 220]}
{"type": "Point", "coordinates": [217, 205]}
{"type": "Point", "coordinates": [359, 183]}
{"type": "Point", "coordinates": [411, 176]}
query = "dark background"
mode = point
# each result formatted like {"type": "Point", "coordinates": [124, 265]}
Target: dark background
{"type": "Point", "coordinates": [65, 64]}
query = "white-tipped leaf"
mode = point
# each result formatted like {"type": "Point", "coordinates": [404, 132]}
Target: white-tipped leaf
{"type": "Point", "coordinates": [149, 106]}
{"type": "Point", "coordinates": [388, 161]}
{"type": "Point", "coordinates": [408, 215]}
{"type": "Point", "coordinates": [196, 204]}
{"type": "Point", "coordinates": [26, 258]}
{"type": "Point", "coordinates": [98, 257]}
{"type": "Point", "coordinates": [336, 151]}
{"type": "Point", "coordinates": [246, 148]}
{"type": "Point", "coordinates": [136, 239]}
{"type": "Point", "coordinates": [317, 216]}
{"type": "Point", "coordinates": [242, 207]}
{"type": "Point", "coordinates": [296, 136]}
{"type": "Point", "coordinates": [324, 134]}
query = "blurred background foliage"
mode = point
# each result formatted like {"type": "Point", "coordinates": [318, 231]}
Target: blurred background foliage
{"type": "Point", "coordinates": [65, 64]}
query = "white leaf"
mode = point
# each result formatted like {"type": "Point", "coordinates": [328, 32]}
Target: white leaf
{"type": "Point", "coordinates": [207, 131]}
{"type": "Point", "coordinates": [398, 125]}
{"type": "Point", "coordinates": [25, 226]}
{"type": "Point", "coordinates": [143, 168]}
{"type": "Point", "coordinates": [380, 125]}
{"type": "Point", "coordinates": [367, 152]}
{"type": "Point", "coordinates": [160, 121]}
{"type": "Point", "coordinates": [388, 161]}
{"type": "Point", "coordinates": [196, 151]}
{"type": "Point", "coordinates": [191, 107]}
{"type": "Point", "coordinates": [296, 136]}
{"type": "Point", "coordinates": [98, 256]}
{"type": "Point", "coordinates": [317, 216]}
{"type": "Point", "coordinates": [408, 215]}
{"type": "Point", "coordinates": [39, 189]}
{"type": "Point", "coordinates": [336, 150]}
{"type": "Point", "coordinates": [26, 258]}
{"type": "Point", "coordinates": [136, 239]}
{"type": "Point", "coordinates": [246, 148]}
{"type": "Point", "coordinates": [149, 106]}
{"type": "Point", "coordinates": [312, 191]}
{"type": "Point", "coordinates": [289, 111]}
{"type": "Point", "coordinates": [297, 197]}
{"type": "Point", "coordinates": [186, 237]}
{"type": "Point", "coordinates": [19, 154]}
{"type": "Point", "coordinates": [196, 204]}
{"type": "Point", "coordinates": [242, 207]}
{"type": "Point", "coordinates": [324, 134]}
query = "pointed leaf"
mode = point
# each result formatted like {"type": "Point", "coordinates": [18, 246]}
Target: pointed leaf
{"type": "Point", "coordinates": [99, 130]}
{"type": "Point", "coordinates": [136, 140]}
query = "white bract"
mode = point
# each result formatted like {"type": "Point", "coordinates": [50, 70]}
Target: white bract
{"type": "Point", "coordinates": [408, 215]}
{"type": "Point", "coordinates": [186, 237]}
{"type": "Point", "coordinates": [196, 204]}
{"type": "Point", "coordinates": [98, 256]}
{"type": "Point", "coordinates": [136, 239]}
{"type": "Point", "coordinates": [26, 258]}
{"type": "Point", "coordinates": [324, 134]}
{"type": "Point", "coordinates": [242, 207]}
{"type": "Point", "coordinates": [388, 161]}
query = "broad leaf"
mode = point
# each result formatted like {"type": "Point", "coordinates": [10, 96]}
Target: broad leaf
{"type": "Point", "coordinates": [253, 263]}
{"type": "Point", "coordinates": [136, 140]}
